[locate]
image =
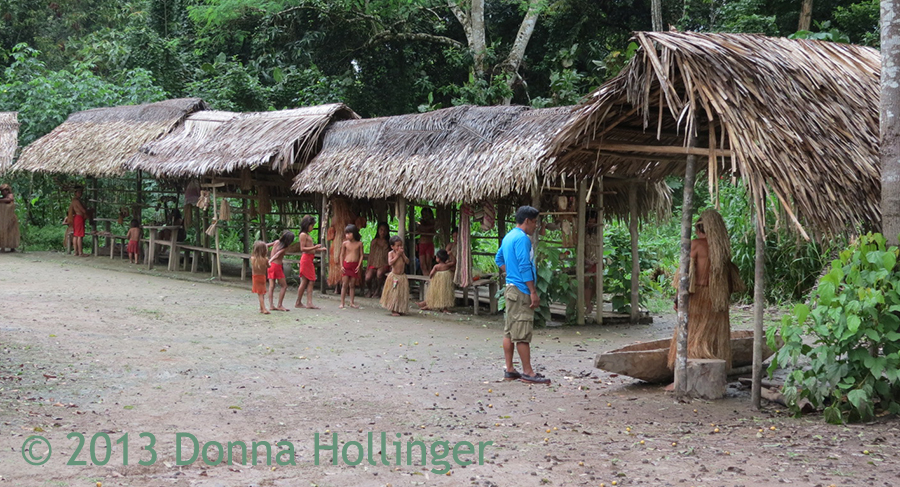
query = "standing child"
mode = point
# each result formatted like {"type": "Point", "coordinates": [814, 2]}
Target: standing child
{"type": "Point", "coordinates": [134, 241]}
{"type": "Point", "coordinates": [441, 294]}
{"type": "Point", "coordinates": [351, 259]}
{"type": "Point", "coordinates": [276, 269]}
{"type": "Point", "coordinates": [259, 263]}
{"type": "Point", "coordinates": [395, 295]}
{"type": "Point", "coordinates": [307, 267]}
{"type": "Point", "coordinates": [378, 258]}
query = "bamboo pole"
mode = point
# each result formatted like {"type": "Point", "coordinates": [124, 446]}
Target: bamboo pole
{"type": "Point", "coordinates": [411, 248]}
{"type": "Point", "coordinates": [401, 218]}
{"type": "Point", "coordinates": [635, 257]}
{"type": "Point", "coordinates": [579, 252]}
{"type": "Point", "coordinates": [598, 279]}
{"type": "Point", "coordinates": [687, 209]}
{"type": "Point", "coordinates": [324, 223]}
{"type": "Point", "coordinates": [216, 219]}
{"type": "Point", "coordinates": [759, 303]}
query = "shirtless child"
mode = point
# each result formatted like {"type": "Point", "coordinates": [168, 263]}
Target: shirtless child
{"type": "Point", "coordinates": [307, 268]}
{"type": "Point", "coordinates": [276, 269]}
{"type": "Point", "coordinates": [351, 259]}
{"type": "Point", "coordinates": [79, 213]}
{"type": "Point", "coordinates": [395, 295]}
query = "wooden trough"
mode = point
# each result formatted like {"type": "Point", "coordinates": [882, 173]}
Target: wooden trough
{"type": "Point", "coordinates": [648, 361]}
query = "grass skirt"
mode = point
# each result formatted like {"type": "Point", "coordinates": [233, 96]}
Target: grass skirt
{"type": "Point", "coordinates": [440, 293]}
{"type": "Point", "coordinates": [9, 226]}
{"type": "Point", "coordinates": [709, 333]}
{"type": "Point", "coordinates": [395, 295]}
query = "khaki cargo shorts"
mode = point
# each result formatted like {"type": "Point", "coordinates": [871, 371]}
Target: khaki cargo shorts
{"type": "Point", "coordinates": [519, 315]}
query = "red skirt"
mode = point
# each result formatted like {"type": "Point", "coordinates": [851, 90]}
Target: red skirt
{"type": "Point", "coordinates": [350, 269]}
{"type": "Point", "coordinates": [276, 271]}
{"type": "Point", "coordinates": [307, 267]}
{"type": "Point", "coordinates": [134, 247]}
{"type": "Point", "coordinates": [78, 227]}
{"type": "Point", "coordinates": [259, 284]}
{"type": "Point", "coordinates": [426, 248]}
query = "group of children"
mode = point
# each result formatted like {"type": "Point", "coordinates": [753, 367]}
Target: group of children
{"type": "Point", "coordinates": [386, 259]}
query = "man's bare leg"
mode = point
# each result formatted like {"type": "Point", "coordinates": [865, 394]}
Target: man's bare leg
{"type": "Point", "coordinates": [524, 349]}
{"type": "Point", "coordinates": [508, 348]}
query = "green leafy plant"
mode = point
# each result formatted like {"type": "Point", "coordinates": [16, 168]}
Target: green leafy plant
{"type": "Point", "coordinates": [850, 334]}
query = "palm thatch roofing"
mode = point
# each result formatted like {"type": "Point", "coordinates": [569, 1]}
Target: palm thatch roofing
{"type": "Point", "coordinates": [797, 118]}
{"type": "Point", "coordinates": [9, 138]}
{"type": "Point", "coordinates": [98, 142]}
{"type": "Point", "coordinates": [463, 154]}
{"type": "Point", "coordinates": [215, 143]}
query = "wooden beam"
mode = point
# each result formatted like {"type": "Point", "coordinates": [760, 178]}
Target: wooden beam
{"type": "Point", "coordinates": [598, 281]}
{"type": "Point", "coordinates": [681, 327]}
{"type": "Point", "coordinates": [635, 256]}
{"type": "Point", "coordinates": [759, 298]}
{"type": "Point", "coordinates": [579, 251]}
{"type": "Point", "coordinates": [659, 149]}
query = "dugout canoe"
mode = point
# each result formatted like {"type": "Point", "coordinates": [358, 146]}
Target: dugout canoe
{"type": "Point", "coordinates": [647, 361]}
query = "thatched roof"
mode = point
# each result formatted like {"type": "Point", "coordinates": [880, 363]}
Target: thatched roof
{"type": "Point", "coordinates": [798, 117]}
{"type": "Point", "coordinates": [460, 154]}
{"type": "Point", "coordinates": [222, 142]}
{"type": "Point", "coordinates": [9, 138]}
{"type": "Point", "coordinates": [97, 142]}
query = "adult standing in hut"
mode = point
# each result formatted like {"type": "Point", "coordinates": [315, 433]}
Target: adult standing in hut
{"type": "Point", "coordinates": [9, 224]}
{"type": "Point", "coordinates": [516, 259]}
{"type": "Point", "coordinates": [80, 215]}
{"type": "Point", "coordinates": [712, 281]}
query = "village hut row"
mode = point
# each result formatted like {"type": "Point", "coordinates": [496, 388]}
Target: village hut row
{"type": "Point", "coordinates": [792, 118]}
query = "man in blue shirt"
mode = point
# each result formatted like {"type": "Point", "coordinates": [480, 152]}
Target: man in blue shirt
{"type": "Point", "coordinates": [516, 259]}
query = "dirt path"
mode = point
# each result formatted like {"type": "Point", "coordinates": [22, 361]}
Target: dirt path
{"type": "Point", "coordinates": [93, 346]}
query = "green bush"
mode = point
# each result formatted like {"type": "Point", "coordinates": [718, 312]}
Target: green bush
{"type": "Point", "coordinates": [850, 334]}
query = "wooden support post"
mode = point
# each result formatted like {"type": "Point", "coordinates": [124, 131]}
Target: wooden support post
{"type": "Point", "coordinates": [502, 210]}
{"type": "Point", "coordinates": [216, 218]}
{"type": "Point", "coordinates": [323, 260]}
{"type": "Point", "coordinates": [410, 245]}
{"type": "Point", "coordinates": [245, 216]}
{"type": "Point", "coordinates": [95, 239]}
{"type": "Point", "coordinates": [759, 298]}
{"type": "Point", "coordinates": [635, 256]}
{"type": "Point", "coordinates": [687, 209]}
{"type": "Point", "coordinates": [579, 251]}
{"type": "Point", "coordinates": [139, 188]}
{"type": "Point", "coordinates": [598, 279]}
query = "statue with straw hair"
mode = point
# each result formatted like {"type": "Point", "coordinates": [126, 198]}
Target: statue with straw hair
{"type": "Point", "coordinates": [713, 277]}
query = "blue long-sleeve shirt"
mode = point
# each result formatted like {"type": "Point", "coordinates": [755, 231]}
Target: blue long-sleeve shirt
{"type": "Point", "coordinates": [516, 254]}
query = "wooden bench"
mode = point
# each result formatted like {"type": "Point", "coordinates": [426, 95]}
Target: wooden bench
{"type": "Point", "coordinates": [492, 286]}
{"type": "Point", "coordinates": [423, 283]}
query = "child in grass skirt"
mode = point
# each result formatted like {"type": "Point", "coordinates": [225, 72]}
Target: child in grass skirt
{"type": "Point", "coordinates": [395, 295]}
{"type": "Point", "coordinates": [259, 263]}
{"type": "Point", "coordinates": [441, 292]}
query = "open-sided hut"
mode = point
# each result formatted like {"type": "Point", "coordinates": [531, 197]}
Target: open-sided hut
{"type": "Point", "coordinates": [794, 118]}
{"type": "Point", "coordinates": [96, 144]}
{"type": "Point", "coordinates": [9, 139]}
{"type": "Point", "coordinates": [247, 156]}
{"type": "Point", "coordinates": [461, 155]}
{"type": "Point", "coordinates": [99, 141]}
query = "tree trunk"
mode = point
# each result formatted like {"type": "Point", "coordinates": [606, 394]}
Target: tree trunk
{"type": "Point", "coordinates": [656, 15]}
{"type": "Point", "coordinates": [890, 125]}
{"type": "Point", "coordinates": [517, 53]}
{"type": "Point", "coordinates": [805, 15]}
{"type": "Point", "coordinates": [472, 22]}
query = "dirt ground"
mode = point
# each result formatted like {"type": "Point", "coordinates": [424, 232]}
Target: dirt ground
{"type": "Point", "coordinates": [95, 346]}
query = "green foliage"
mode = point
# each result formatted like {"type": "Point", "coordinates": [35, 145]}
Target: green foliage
{"type": "Point", "coordinates": [553, 284]}
{"type": "Point", "coordinates": [860, 21]}
{"type": "Point", "coordinates": [44, 98]}
{"type": "Point", "coordinates": [826, 33]}
{"type": "Point", "coordinates": [850, 334]}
